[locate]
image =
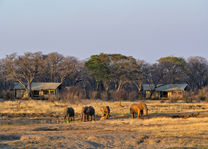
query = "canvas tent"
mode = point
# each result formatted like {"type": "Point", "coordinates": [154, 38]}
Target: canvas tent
{"type": "Point", "coordinates": [38, 89]}
{"type": "Point", "coordinates": [164, 90]}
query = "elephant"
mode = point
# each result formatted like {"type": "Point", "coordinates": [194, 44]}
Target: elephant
{"type": "Point", "coordinates": [88, 113]}
{"type": "Point", "coordinates": [69, 114]}
{"type": "Point", "coordinates": [139, 109]}
{"type": "Point", "coordinates": [105, 111]}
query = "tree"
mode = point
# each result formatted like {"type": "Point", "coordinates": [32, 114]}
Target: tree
{"type": "Point", "coordinates": [52, 63]}
{"type": "Point", "coordinates": [67, 68]}
{"type": "Point", "coordinates": [113, 70]}
{"type": "Point", "coordinates": [197, 72]}
{"type": "Point", "coordinates": [173, 68]}
{"type": "Point", "coordinates": [24, 69]}
{"type": "Point", "coordinates": [98, 69]}
{"type": "Point", "coordinates": [153, 75]}
{"type": "Point", "coordinates": [125, 70]}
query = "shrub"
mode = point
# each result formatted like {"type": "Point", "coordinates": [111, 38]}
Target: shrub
{"type": "Point", "coordinates": [52, 98]}
{"type": "Point", "coordinates": [94, 95]}
{"type": "Point", "coordinates": [189, 96]}
{"type": "Point", "coordinates": [8, 94]}
{"type": "Point", "coordinates": [174, 98]}
{"type": "Point", "coordinates": [104, 95]}
{"type": "Point", "coordinates": [133, 95]}
{"type": "Point", "coordinates": [203, 94]}
{"type": "Point", "coordinates": [120, 95]}
{"type": "Point", "coordinates": [71, 94]}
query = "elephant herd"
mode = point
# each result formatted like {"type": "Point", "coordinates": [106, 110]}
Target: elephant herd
{"type": "Point", "coordinates": [88, 112]}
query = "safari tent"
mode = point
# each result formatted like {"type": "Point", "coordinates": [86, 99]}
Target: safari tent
{"type": "Point", "coordinates": [38, 89]}
{"type": "Point", "coordinates": [166, 91]}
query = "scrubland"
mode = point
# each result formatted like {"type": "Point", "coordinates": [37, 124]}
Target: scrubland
{"type": "Point", "coordinates": [39, 124]}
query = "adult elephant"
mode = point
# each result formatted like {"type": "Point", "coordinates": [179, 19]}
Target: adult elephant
{"type": "Point", "coordinates": [88, 114]}
{"type": "Point", "coordinates": [69, 114]}
{"type": "Point", "coordinates": [138, 108]}
{"type": "Point", "coordinates": [105, 111]}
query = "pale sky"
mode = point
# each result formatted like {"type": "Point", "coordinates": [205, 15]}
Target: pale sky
{"type": "Point", "coordinates": [144, 29]}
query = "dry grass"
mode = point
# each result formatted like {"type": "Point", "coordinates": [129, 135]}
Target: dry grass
{"type": "Point", "coordinates": [40, 106]}
{"type": "Point", "coordinates": [118, 132]}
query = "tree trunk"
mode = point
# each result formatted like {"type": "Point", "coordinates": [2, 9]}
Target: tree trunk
{"type": "Point", "coordinates": [119, 85]}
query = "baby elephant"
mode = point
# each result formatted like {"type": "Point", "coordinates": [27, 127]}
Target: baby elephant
{"type": "Point", "coordinates": [88, 113]}
{"type": "Point", "coordinates": [69, 114]}
{"type": "Point", "coordinates": [105, 111]}
{"type": "Point", "coordinates": [139, 109]}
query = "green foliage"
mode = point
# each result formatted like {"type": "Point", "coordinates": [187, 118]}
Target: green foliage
{"type": "Point", "coordinates": [106, 68]}
{"type": "Point", "coordinates": [173, 68]}
{"type": "Point", "coordinates": [97, 68]}
{"type": "Point", "coordinates": [173, 60]}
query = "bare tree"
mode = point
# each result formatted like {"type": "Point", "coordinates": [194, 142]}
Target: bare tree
{"type": "Point", "coordinates": [67, 67]}
{"type": "Point", "coordinates": [52, 63]}
{"type": "Point", "coordinates": [173, 68]}
{"type": "Point", "coordinates": [197, 72]}
{"type": "Point", "coordinates": [153, 75]}
{"type": "Point", "coordinates": [24, 69]}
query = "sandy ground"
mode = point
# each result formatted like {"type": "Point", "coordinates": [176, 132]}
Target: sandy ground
{"type": "Point", "coordinates": [161, 129]}
{"type": "Point", "coordinates": [121, 133]}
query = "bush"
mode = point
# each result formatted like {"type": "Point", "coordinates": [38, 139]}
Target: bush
{"type": "Point", "coordinates": [104, 96]}
{"type": "Point", "coordinates": [71, 94]}
{"type": "Point", "coordinates": [133, 95]}
{"type": "Point", "coordinates": [202, 98]}
{"type": "Point", "coordinates": [52, 98]}
{"type": "Point", "coordinates": [94, 95]}
{"type": "Point", "coordinates": [203, 94]}
{"type": "Point", "coordinates": [7, 94]}
{"type": "Point", "coordinates": [121, 95]}
{"type": "Point", "coordinates": [174, 98]}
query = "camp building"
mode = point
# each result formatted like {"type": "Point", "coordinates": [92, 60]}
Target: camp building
{"type": "Point", "coordinates": [38, 89]}
{"type": "Point", "coordinates": [164, 90]}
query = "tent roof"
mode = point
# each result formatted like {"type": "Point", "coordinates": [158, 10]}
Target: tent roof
{"type": "Point", "coordinates": [39, 85]}
{"type": "Point", "coordinates": [165, 87]}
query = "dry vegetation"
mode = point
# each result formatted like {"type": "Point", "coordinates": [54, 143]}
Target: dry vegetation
{"type": "Point", "coordinates": [169, 124]}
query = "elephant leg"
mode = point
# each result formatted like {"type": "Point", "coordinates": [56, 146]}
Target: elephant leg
{"type": "Point", "coordinates": [68, 118]}
{"type": "Point", "coordinates": [132, 115]}
{"type": "Point", "coordinates": [138, 114]}
{"type": "Point", "coordinates": [81, 117]}
{"type": "Point", "coordinates": [85, 117]}
{"type": "Point", "coordinates": [64, 117]}
{"type": "Point", "coordinates": [142, 113]}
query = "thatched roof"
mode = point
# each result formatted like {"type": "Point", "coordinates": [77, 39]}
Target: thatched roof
{"type": "Point", "coordinates": [39, 85]}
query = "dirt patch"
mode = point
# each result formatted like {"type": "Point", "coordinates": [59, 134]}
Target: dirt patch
{"type": "Point", "coordinates": [197, 114]}
{"type": "Point", "coordinates": [9, 137]}
{"type": "Point", "coordinates": [45, 129]}
{"type": "Point", "coordinates": [186, 115]}
{"type": "Point", "coordinates": [28, 115]}
{"type": "Point", "coordinates": [6, 146]}
{"type": "Point", "coordinates": [32, 138]}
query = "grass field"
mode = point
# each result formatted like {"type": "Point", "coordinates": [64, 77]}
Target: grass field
{"type": "Point", "coordinates": [169, 125]}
